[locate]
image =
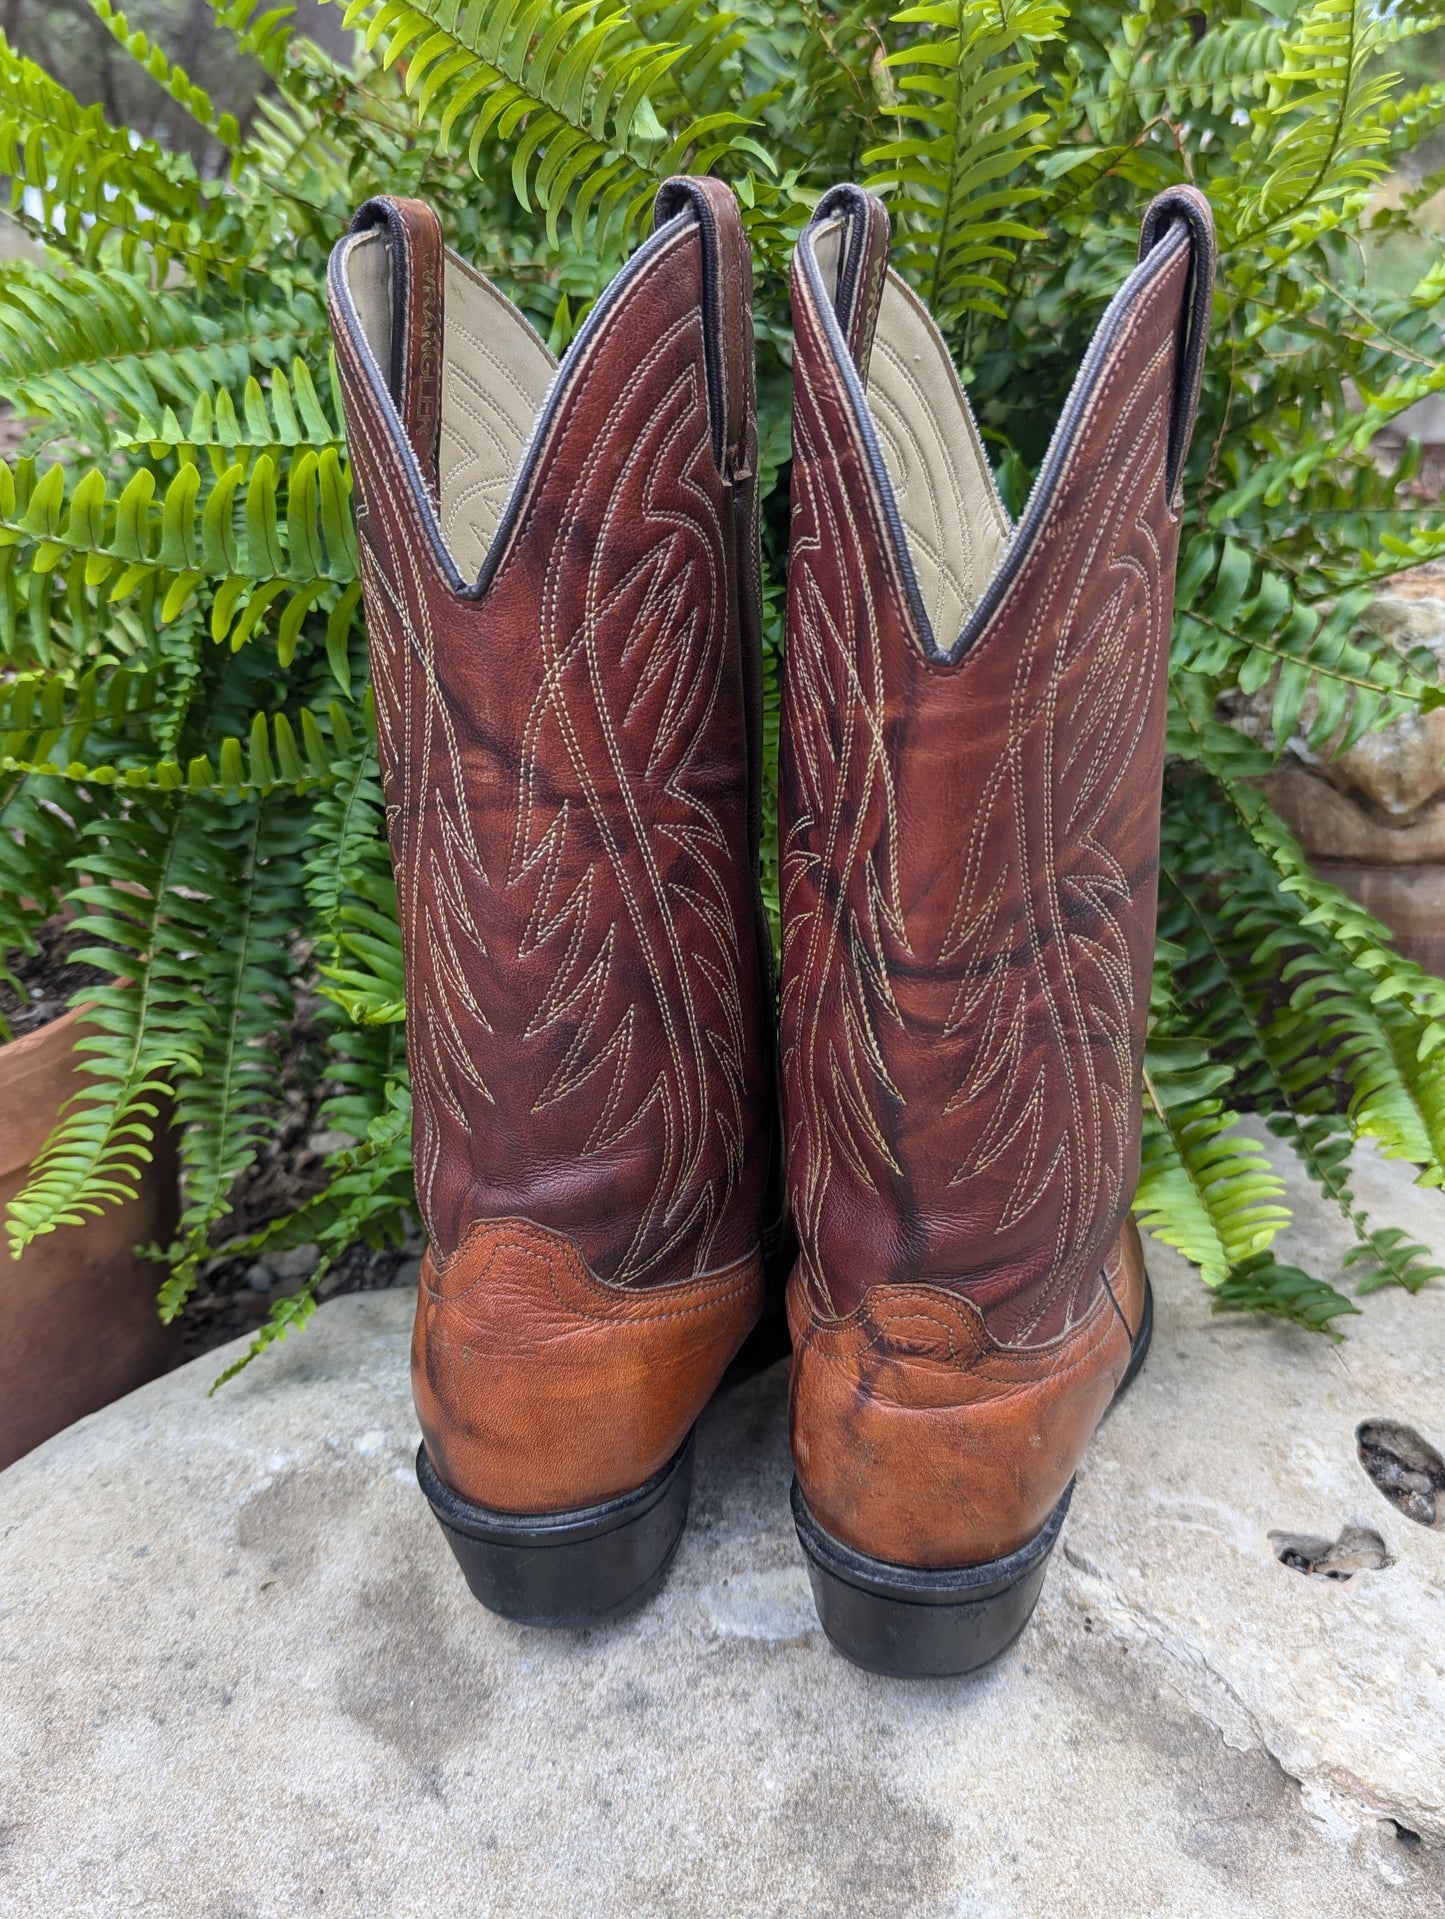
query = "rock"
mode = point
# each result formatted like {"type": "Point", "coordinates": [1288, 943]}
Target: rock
{"type": "Point", "coordinates": [1407, 1469]}
{"type": "Point", "coordinates": [240, 1674]}
{"type": "Point", "coordinates": [1359, 1549]}
{"type": "Point", "coordinates": [1333, 825]}
{"type": "Point", "coordinates": [325, 1143]}
{"type": "Point", "coordinates": [1372, 820]}
{"type": "Point", "coordinates": [260, 1277]}
{"type": "Point", "coordinates": [408, 1273]}
{"type": "Point", "coordinates": [295, 1262]}
{"type": "Point", "coordinates": [1398, 771]}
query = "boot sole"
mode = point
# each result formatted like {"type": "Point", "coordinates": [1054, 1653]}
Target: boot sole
{"type": "Point", "coordinates": [915, 1622]}
{"type": "Point", "coordinates": [578, 1568]}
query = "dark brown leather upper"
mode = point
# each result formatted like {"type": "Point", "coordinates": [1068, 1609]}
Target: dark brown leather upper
{"type": "Point", "coordinates": [570, 757]}
{"type": "Point", "coordinates": [970, 844]}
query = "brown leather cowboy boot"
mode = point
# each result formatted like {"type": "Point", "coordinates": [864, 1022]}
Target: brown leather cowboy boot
{"type": "Point", "coordinates": [561, 589]}
{"type": "Point", "coordinates": [973, 745]}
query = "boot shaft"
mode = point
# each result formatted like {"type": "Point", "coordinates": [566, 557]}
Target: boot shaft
{"type": "Point", "coordinates": [973, 745]}
{"type": "Point", "coordinates": [561, 605]}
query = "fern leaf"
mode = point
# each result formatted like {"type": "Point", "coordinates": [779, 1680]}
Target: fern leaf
{"type": "Point", "coordinates": [240, 872]}
{"type": "Point", "coordinates": [369, 1197]}
{"type": "Point", "coordinates": [104, 357]}
{"type": "Point", "coordinates": [567, 88]}
{"type": "Point", "coordinates": [139, 1032]}
{"type": "Point", "coordinates": [1262, 1285]}
{"type": "Point", "coordinates": [78, 182]}
{"type": "Point", "coordinates": [1203, 1189]}
{"type": "Point", "coordinates": [167, 74]}
{"type": "Point", "coordinates": [965, 124]}
{"type": "Point", "coordinates": [1387, 1256]}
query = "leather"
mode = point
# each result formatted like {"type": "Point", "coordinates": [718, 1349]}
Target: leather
{"type": "Point", "coordinates": [920, 1439]}
{"type": "Point", "coordinates": [571, 764]}
{"type": "Point", "coordinates": [970, 823]}
{"type": "Point", "coordinates": [516, 1342]}
{"type": "Point", "coordinates": [955, 524]}
{"type": "Point", "coordinates": [495, 377]}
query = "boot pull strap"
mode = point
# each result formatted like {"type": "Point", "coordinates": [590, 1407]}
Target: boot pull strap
{"type": "Point", "coordinates": [414, 236]}
{"type": "Point", "coordinates": [1186, 204]}
{"type": "Point", "coordinates": [727, 294]}
{"type": "Point", "coordinates": [862, 265]}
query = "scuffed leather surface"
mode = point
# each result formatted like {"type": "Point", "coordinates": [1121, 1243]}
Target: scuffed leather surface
{"type": "Point", "coordinates": [969, 870]}
{"type": "Point", "coordinates": [540, 1389]}
{"type": "Point", "coordinates": [567, 781]}
{"type": "Point", "coordinates": [920, 1439]}
{"type": "Point", "coordinates": [923, 1442]}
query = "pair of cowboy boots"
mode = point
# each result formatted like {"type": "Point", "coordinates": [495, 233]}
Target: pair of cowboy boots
{"type": "Point", "coordinates": [560, 566]}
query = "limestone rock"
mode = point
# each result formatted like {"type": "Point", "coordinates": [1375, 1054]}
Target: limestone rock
{"type": "Point", "coordinates": [1390, 785]}
{"type": "Point", "coordinates": [240, 1676]}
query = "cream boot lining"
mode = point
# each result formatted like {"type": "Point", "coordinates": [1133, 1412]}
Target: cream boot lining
{"type": "Point", "coordinates": [368, 274]}
{"type": "Point", "coordinates": [954, 521]}
{"type": "Point", "coordinates": [496, 370]}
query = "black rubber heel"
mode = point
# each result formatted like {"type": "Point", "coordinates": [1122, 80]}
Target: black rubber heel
{"type": "Point", "coordinates": [914, 1622]}
{"type": "Point", "coordinates": [577, 1568]}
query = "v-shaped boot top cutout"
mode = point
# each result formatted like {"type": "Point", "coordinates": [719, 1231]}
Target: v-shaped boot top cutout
{"type": "Point", "coordinates": [956, 544]}
{"type": "Point", "coordinates": [468, 383]}
{"type": "Point", "coordinates": [495, 372]}
{"type": "Point", "coordinates": [952, 516]}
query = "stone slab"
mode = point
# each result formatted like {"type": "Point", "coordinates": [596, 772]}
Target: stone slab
{"type": "Point", "coordinates": [240, 1676]}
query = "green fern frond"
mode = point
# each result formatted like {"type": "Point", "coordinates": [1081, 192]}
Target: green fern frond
{"type": "Point", "coordinates": [104, 356]}
{"type": "Point", "coordinates": [38, 819]}
{"type": "Point", "coordinates": [1261, 1284]}
{"type": "Point", "coordinates": [568, 88]}
{"type": "Point", "coordinates": [234, 535]}
{"type": "Point", "coordinates": [139, 1032]}
{"type": "Point", "coordinates": [347, 840]}
{"type": "Point", "coordinates": [260, 29]}
{"type": "Point", "coordinates": [240, 872]}
{"type": "Point", "coordinates": [704, 76]}
{"type": "Point", "coordinates": [1250, 628]}
{"type": "Point", "coordinates": [369, 1198]}
{"type": "Point", "coordinates": [272, 753]}
{"type": "Point", "coordinates": [288, 413]}
{"type": "Point", "coordinates": [92, 182]}
{"type": "Point", "coordinates": [1387, 1256]}
{"type": "Point", "coordinates": [167, 74]}
{"type": "Point", "coordinates": [1318, 136]}
{"type": "Point", "coordinates": [1225, 69]}
{"type": "Point", "coordinates": [1286, 1015]}
{"type": "Point", "coordinates": [966, 114]}
{"type": "Point", "coordinates": [1203, 1189]}
{"type": "Point", "coordinates": [368, 978]}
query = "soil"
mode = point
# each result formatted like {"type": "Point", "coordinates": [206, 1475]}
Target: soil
{"type": "Point", "coordinates": [232, 1296]}
{"type": "Point", "coordinates": [47, 980]}
{"type": "Point", "coordinates": [226, 1304]}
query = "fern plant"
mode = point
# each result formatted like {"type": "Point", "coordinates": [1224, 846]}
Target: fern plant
{"type": "Point", "coordinates": [186, 738]}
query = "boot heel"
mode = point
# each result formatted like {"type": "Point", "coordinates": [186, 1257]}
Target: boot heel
{"type": "Point", "coordinates": [914, 1622]}
{"type": "Point", "coordinates": [577, 1568]}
